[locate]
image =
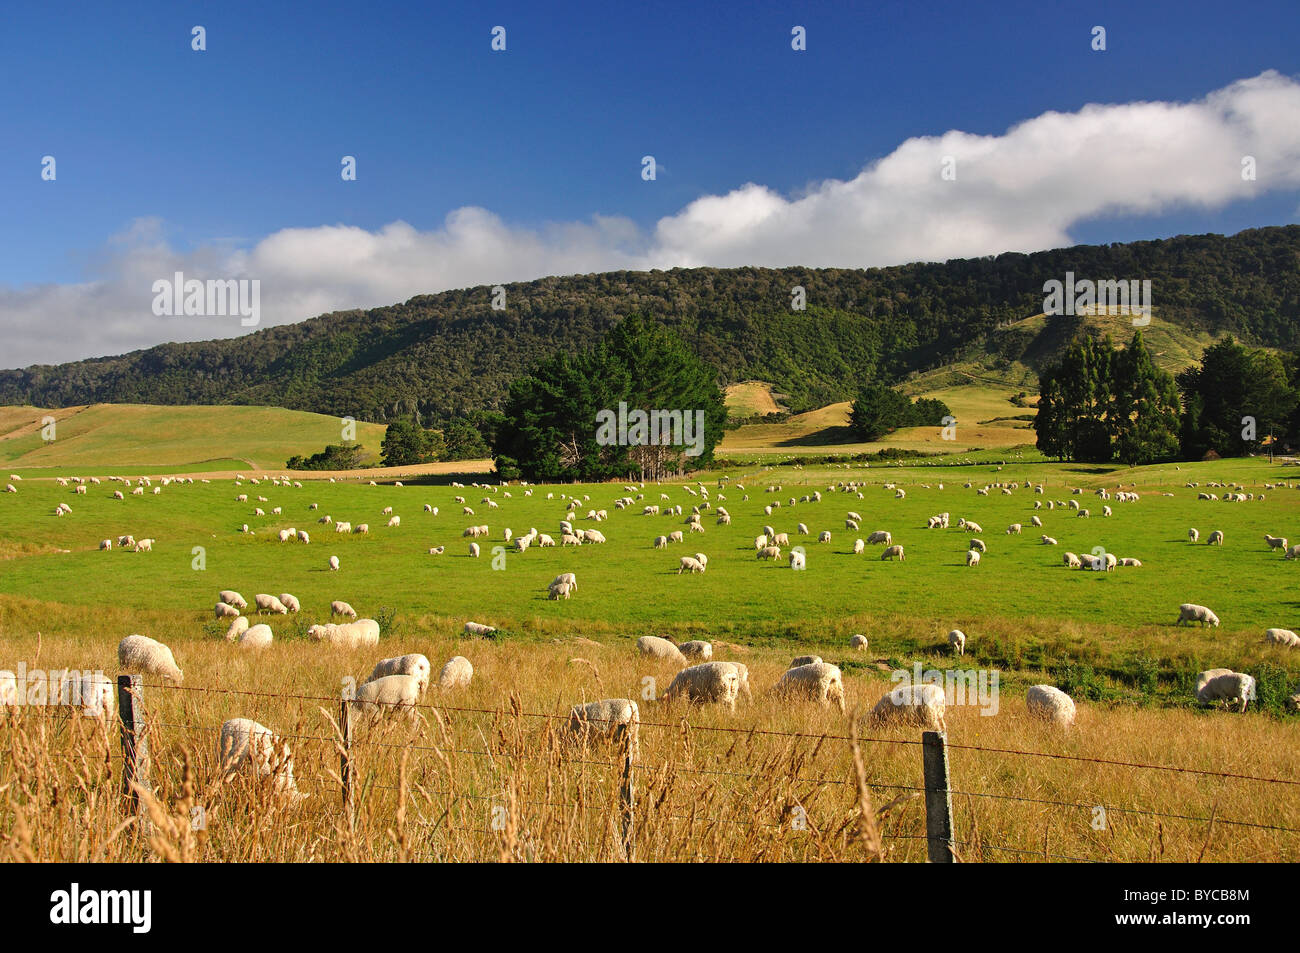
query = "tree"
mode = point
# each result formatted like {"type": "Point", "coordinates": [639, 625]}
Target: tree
{"type": "Point", "coordinates": [405, 443]}
{"type": "Point", "coordinates": [880, 409]}
{"type": "Point", "coordinates": [464, 441]}
{"type": "Point", "coordinates": [1145, 407]}
{"type": "Point", "coordinates": [1234, 399]}
{"type": "Point", "coordinates": [335, 456]}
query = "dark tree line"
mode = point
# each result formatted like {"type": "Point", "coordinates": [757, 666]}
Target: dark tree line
{"type": "Point", "coordinates": [880, 409]}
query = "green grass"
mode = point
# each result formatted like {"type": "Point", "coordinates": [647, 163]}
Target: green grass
{"type": "Point", "coordinates": [144, 438]}
{"type": "Point", "coordinates": [1111, 633]}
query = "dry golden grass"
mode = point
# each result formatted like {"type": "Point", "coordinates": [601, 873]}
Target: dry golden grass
{"type": "Point", "coordinates": [710, 785]}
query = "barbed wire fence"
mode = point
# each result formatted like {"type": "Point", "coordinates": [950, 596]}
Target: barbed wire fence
{"type": "Point", "coordinates": [632, 796]}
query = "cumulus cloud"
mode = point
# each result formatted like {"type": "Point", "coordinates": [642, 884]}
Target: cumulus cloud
{"type": "Point", "coordinates": [1019, 191]}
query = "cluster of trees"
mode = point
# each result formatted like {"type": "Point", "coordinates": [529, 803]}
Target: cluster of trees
{"type": "Point", "coordinates": [439, 357]}
{"type": "Point", "coordinates": [1101, 403]}
{"type": "Point", "coordinates": [406, 443]}
{"type": "Point", "coordinates": [556, 424]}
{"type": "Point", "coordinates": [879, 409]}
{"type": "Point", "coordinates": [335, 456]}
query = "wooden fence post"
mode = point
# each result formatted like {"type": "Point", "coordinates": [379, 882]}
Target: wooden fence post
{"type": "Point", "coordinates": [626, 799]}
{"type": "Point", "coordinates": [135, 741]}
{"type": "Point", "coordinates": [938, 798]}
{"type": "Point", "coordinates": [345, 755]}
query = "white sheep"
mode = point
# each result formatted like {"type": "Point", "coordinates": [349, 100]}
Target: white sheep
{"type": "Point", "coordinates": [689, 564]}
{"type": "Point", "coordinates": [825, 536]}
{"type": "Point", "coordinates": [1283, 637]}
{"type": "Point", "coordinates": [269, 603]}
{"type": "Point", "coordinates": [339, 607]}
{"type": "Point", "coordinates": [255, 637]}
{"type": "Point", "coordinates": [709, 683]}
{"type": "Point", "coordinates": [1216, 538]}
{"type": "Point", "coordinates": [479, 629]}
{"type": "Point", "coordinates": [798, 560]}
{"type": "Point", "coordinates": [1194, 534]}
{"type": "Point", "coordinates": [859, 546]}
{"type": "Point", "coordinates": [818, 681]}
{"type": "Point", "coordinates": [233, 598]}
{"type": "Point", "coordinates": [1190, 612]}
{"type": "Point", "coordinates": [413, 664]}
{"type": "Point", "coordinates": [957, 639]}
{"type": "Point", "coordinates": [457, 673]}
{"type": "Point", "coordinates": [246, 744]}
{"type": "Point", "coordinates": [1275, 542]}
{"type": "Point", "coordinates": [362, 633]}
{"type": "Point", "coordinates": [972, 557]}
{"type": "Point", "coordinates": [697, 650]}
{"type": "Point", "coordinates": [892, 551]}
{"type": "Point", "coordinates": [880, 536]}
{"type": "Point", "coordinates": [1223, 684]}
{"type": "Point", "coordinates": [334, 563]}
{"type": "Point", "coordinates": [804, 660]}
{"type": "Point", "coordinates": [388, 695]}
{"type": "Point", "coordinates": [609, 718]}
{"type": "Point", "coordinates": [238, 626]}
{"type": "Point", "coordinates": [660, 649]}
{"type": "Point", "coordinates": [1048, 701]}
{"type": "Point", "coordinates": [917, 705]}
{"type": "Point", "coordinates": [290, 601]}
{"type": "Point", "coordinates": [769, 552]}
{"type": "Point", "coordinates": [1014, 529]}
{"type": "Point", "coordinates": [139, 653]}
{"type": "Point", "coordinates": [858, 643]}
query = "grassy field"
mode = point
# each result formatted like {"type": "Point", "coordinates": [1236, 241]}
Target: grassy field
{"type": "Point", "coordinates": [1107, 638]}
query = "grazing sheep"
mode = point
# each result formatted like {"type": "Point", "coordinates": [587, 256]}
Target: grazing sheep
{"type": "Point", "coordinates": [859, 546]}
{"type": "Point", "coordinates": [139, 653]}
{"type": "Point", "coordinates": [798, 560]}
{"type": "Point", "coordinates": [269, 603]}
{"type": "Point", "coordinates": [1048, 540]}
{"type": "Point", "coordinates": [362, 528]}
{"type": "Point", "coordinates": [105, 544]}
{"type": "Point", "coordinates": [388, 695]}
{"type": "Point", "coordinates": [1275, 542]}
{"type": "Point", "coordinates": [709, 683]}
{"type": "Point", "coordinates": [825, 536]}
{"type": "Point", "coordinates": [1014, 529]}
{"type": "Point", "coordinates": [413, 664]}
{"type": "Point", "coordinates": [479, 629]}
{"type": "Point", "coordinates": [1223, 684]}
{"type": "Point", "coordinates": [1035, 521]}
{"type": "Point", "coordinates": [689, 564]}
{"type": "Point", "coordinates": [559, 590]}
{"type": "Point", "coordinates": [144, 546]}
{"type": "Point", "coordinates": [1194, 534]}
{"type": "Point", "coordinates": [769, 552]}
{"type": "Point", "coordinates": [255, 637]}
{"type": "Point", "coordinates": [957, 639]}
{"type": "Point", "coordinates": [697, 650]}
{"type": "Point", "coordinates": [972, 557]}
{"type": "Point", "coordinates": [334, 563]}
{"type": "Point", "coordinates": [1048, 701]}
{"type": "Point", "coordinates": [880, 536]}
{"type": "Point", "coordinates": [1130, 561]}
{"type": "Point", "coordinates": [661, 649]}
{"type": "Point", "coordinates": [362, 633]}
{"type": "Point", "coordinates": [1216, 538]}
{"type": "Point", "coordinates": [920, 706]}
{"type": "Point", "coordinates": [8, 689]}
{"type": "Point", "coordinates": [237, 628]}
{"type": "Point", "coordinates": [246, 744]}
{"type": "Point", "coordinates": [395, 521]}
{"type": "Point", "coordinates": [474, 550]}
{"type": "Point", "coordinates": [303, 537]}
{"type": "Point", "coordinates": [290, 601]}
{"type": "Point", "coordinates": [661, 542]}
{"type": "Point", "coordinates": [568, 577]}
{"type": "Point", "coordinates": [804, 660]}
{"type": "Point", "coordinates": [1283, 637]}
{"type": "Point", "coordinates": [892, 551]}
{"type": "Point", "coordinates": [226, 611]}
{"type": "Point", "coordinates": [1190, 612]}
{"type": "Point", "coordinates": [858, 643]}
{"type": "Point", "coordinates": [338, 607]}
{"type": "Point", "coordinates": [819, 681]}
{"type": "Point", "coordinates": [977, 544]}
{"type": "Point", "coordinates": [609, 718]}
{"type": "Point", "coordinates": [802, 529]}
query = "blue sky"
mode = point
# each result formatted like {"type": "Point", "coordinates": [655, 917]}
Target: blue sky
{"type": "Point", "coordinates": [193, 156]}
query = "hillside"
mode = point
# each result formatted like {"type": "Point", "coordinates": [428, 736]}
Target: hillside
{"type": "Point", "coordinates": [450, 354]}
{"type": "Point", "coordinates": [110, 437]}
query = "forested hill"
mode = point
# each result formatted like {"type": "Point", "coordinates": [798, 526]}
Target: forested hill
{"type": "Point", "coordinates": [450, 354]}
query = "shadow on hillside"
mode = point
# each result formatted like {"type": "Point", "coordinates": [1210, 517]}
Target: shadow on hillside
{"type": "Point", "coordinates": [820, 438]}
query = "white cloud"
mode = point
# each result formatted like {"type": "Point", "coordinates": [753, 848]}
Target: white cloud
{"type": "Point", "coordinates": [1020, 191]}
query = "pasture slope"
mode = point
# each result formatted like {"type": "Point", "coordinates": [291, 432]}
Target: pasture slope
{"type": "Point", "coordinates": [1108, 638]}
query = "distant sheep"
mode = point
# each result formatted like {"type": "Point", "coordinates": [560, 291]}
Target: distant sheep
{"type": "Point", "coordinates": [858, 643]}
{"type": "Point", "coordinates": [1190, 612]}
{"type": "Point", "coordinates": [1194, 534]}
{"type": "Point", "coordinates": [226, 611]}
{"type": "Point", "coordinates": [609, 718]}
{"type": "Point", "coordinates": [1216, 538]}
{"type": "Point", "coordinates": [921, 706]}
{"type": "Point", "coordinates": [237, 628]}
{"type": "Point", "coordinates": [391, 694]}
{"type": "Point", "coordinates": [1275, 542]}
{"type": "Point", "coordinates": [818, 681]}
{"type": "Point", "coordinates": [269, 603]}
{"type": "Point", "coordinates": [255, 637]}
{"type": "Point", "coordinates": [362, 633]}
{"type": "Point", "coordinates": [334, 564]}
{"type": "Point", "coordinates": [880, 536]}
{"type": "Point", "coordinates": [972, 557]}
{"type": "Point", "coordinates": [798, 560]}
{"type": "Point", "coordinates": [697, 650]}
{"type": "Point", "coordinates": [1223, 684]}
{"type": "Point", "coordinates": [413, 664]}
{"type": "Point", "coordinates": [825, 536]}
{"type": "Point", "coordinates": [1049, 702]}
{"type": "Point", "coordinates": [859, 546]}
{"type": "Point", "coordinates": [892, 551]}
{"type": "Point", "coordinates": [689, 564]}
{"type": "Point", "coordinates": [715, 683]}
{"type": "Point", "coordinates": [1283, 637]}
{"type": "Point", "coordinates": [661, 649]}
{"type": "Point", "coordinates": [138, 653]}
{"type": "Point", "coordinates": [957, 639]}
{"type": "Point", "coordinates": [245, 744]}
{"type": "Point", "coordinates": [769, 552]}
{"type": "Point", "coordinates": [804, 660]}
{"type": "Point", "coordinates": [338, 607]}
{"type": "Point", "coordinates": [1048, 540]}
{"type": "Point", "coordinates": [290, 601]}
{"type": "Point", "coordinates": [479, 629]}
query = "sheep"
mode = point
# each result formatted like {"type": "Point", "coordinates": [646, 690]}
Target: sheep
{"type": "Point", "coordinates": [707, 683]}
{"type": "Point", "coordinates": [1283, 637]}
{"type": "Point", "coordinates": [859, 546]}
{"type": "Point", "coordinates": [395, 521]}
{"type": "Point", "coordinates": [1014, 529]}
{"type": "Point", "coordinates": [559, 591]}
{"type": "Point", "coordinates": [246, 744]}
{"type": "Point", "coordinates": [760, 542]}
{"type": "Point", "coordinates": [819, 681]}
{"type": "Point", "coordinates": [697, 649]}
{"type": "Point", "coordinates": [769, 552]}
{"type": "Point", "coordinates": [1190, 612]}
{"type": "Point", "coordinates": [689, 564]}
{"type": "Point", "coordinates": [290, 601]}
{"type": "Point", "coordinates": [1223, 684]}
{"type": "Point", "coordinates": [225, 611]}
{"type": "Point", "coordinates": [957, 639]}
{"type": "Point", "coordinates": [342, 527]}
{"type": "Point", "coordinates": [1130, 561]}
{"type": "Point", "coordinates": [610, 718]}
{"type": "Point", "coordinates": [96, 694]}
{"type": "Point", "coordinates": [858, 643]}
{"type": "Point", "coordinates": [972, 527]}
{"type": "Point", "coordinates": [660, 649]}
{"type": "Point", "coordinates": [334, 564]}
{"type": "Point", "coordinates": [568, 577]}
{"type": "Point", "coordinates": [255, 637]}
{"type": "Point", "coordinates": [1194, 534]}
{"type": "Point", "coordinates": [661, 542]}
{"type": "Point", "coordinates": [339, 607]}
{"type": "Point", "coordinates": [474, 550]}
{"type": "Point", "coordinates": [972, 557]}
{"type": "Point", "coordinates": [139, 653]}
{"type": "Point", "coordinates": [303, 537]}
{"type": "Point", "coordinates": [544, 540]}
{"type": "Point", "coordinates": [1216, 538]}
{"type": "Point", "coordinates": [8, 689]}
{"type": "Point", "coordinates": [269, 603]}
{"type": "Point", "coordinates": [804, 660]}
{"type": "Point", "coordinates": [144, 546]}
{"type": "Point", "coordinates": [798, 560]}
{"type": "Point", "coordinates": [1048, 701]}
{"type": "Point", "coordinates": [362, 528]}
{"type": "Point", "coordinates": [388, 695]}
{"type": "Point", "coordinates": [1048, 540]}
{"type": "Point", "coordinates": [479, 629]}
{"type": "Point", "coordinates": [825, 536]}
{"type": "Point", "coordinates": [802, 529]}
{"type": "Point", "coordinates": [1106, 511]}
{"type": "Point", "coordinates": [977, 544]}
{"type": "Point", "coordinates": [237, 628]}
{"type": "Point", "coordinates": [781, 539]}
{"type": "Point", "coordinates": [918, 705]}
{"type": "Point", "coordinates": [892, 551]}
{"type": "Point", "coordinates": [880, 536]}
{"type": "Point", "coordinates": [413, 664]}
{"type": "Point", "coordinates": [362, 633]}
{"type": "Point", "coordinates": [1275, 542]}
